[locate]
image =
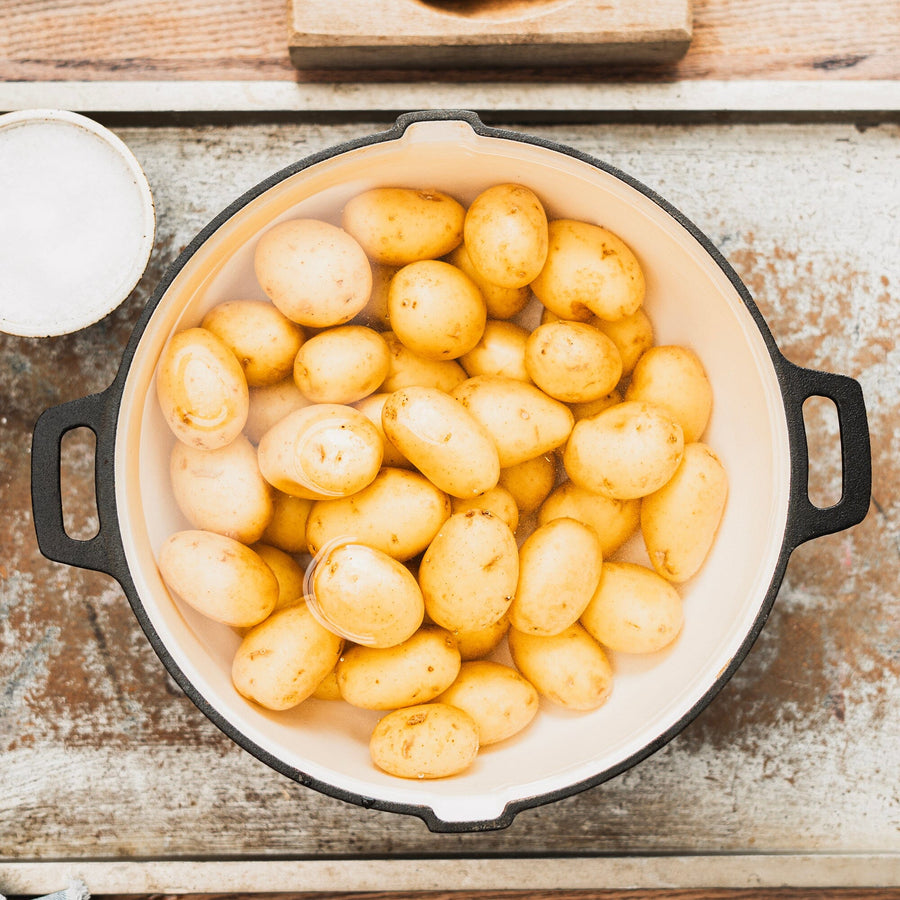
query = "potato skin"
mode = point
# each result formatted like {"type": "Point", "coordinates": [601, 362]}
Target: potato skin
{"type": "Point", "coordinates": [633, 610]}
{"type": "Point", "coordinates": [283, 660]}
{"type": "Point", "coordinates": [501, 302]}
{"type": "Point", "coordinates": [398, 225]}
{"type": "Point", "coordinates": [414, 671]}
{"type": "Point", "coordinates": [287, 528]}
{"type": "Point", "coordinates": [500, 351]}
{"type": "Point", "coordinates": [219, 577]}
{"type": "Point", "coordinates": [315, 273]}
{"type": "Point", "coordinates": [497, 501]}
{"type": "Point", "coordinates": [288, 572]}
{"type": "Point", "coordinates": [469, 572]}
{"type": "Point", "coordinates": [442, 439]}
{"type": "Point", "coordinates": [270, 404]}
{"type": "Point", "coordinates": [633, 335]}
{"type": "Point", "coordinates": [479, 642]}
{"type": "Point", "coordinates": [530, 482]}
{"type": "Point", "coordinates": [408, 369]}
{"type": "Point", "coordinates": [497, 697]}
{"type": "Point", "coordinates": [431, 740]}
{"type": "Point", "coordinates": [372, 407]}
{"type": "Point", "coordinates": [201, 389]}
{"type": "Point", "coordinates": [679, 522]}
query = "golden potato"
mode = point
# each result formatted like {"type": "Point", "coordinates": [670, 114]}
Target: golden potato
{"type": "Point", "coordinates": [592, 407]}
{"type": "Point", "coordinates": [408, 369]}
{"type": "Point", "coordinates": [500, 351]}
{"type": "Point", "coordinates": [479, 642]}
{"type": "Point", "coordinates": [372, 407]}
{"type": "Point", "coordinates": [633, 610]}
{"type": "Point", "coordinates": [679, 522]}
{"type": "Point", "coordinates": [632, 335]}
{"type": "Point", "coordinates": [501, 302]}
{"type": "Point", "coordinates": [315, 273]}
{"type": "Point", "coordinates": [625, 452]}
{"type": "Point", "coordinates": [328, 688]}
{"type": "Point", "coordinates": [398, 225]}
{"type": "Point", "coordinates": [201, 389]}
{"type": "Point", "coordinates": [287, 571]}
{"type": "Point", "coordinates": [270, 404]}
{"type": "Point", "coordinates": [287, 527]}
{"type": "Point", "coordinates": [264, 340]}
{"type": "Point", "coordinates": [375, 313]}
{"type": "Point", "coordinates": [497, 501]}
{"type": "Point", "coordinates": [530, 482]}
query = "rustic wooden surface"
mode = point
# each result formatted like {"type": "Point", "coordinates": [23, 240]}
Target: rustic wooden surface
{"type": "Point", "coordinates": [831, 40]}
{"type": "Point", "coordinates": [103, 758]}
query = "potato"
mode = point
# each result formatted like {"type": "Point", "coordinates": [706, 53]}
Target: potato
{"type": "Point", "coordinates": [436, 309]}
{"type": "Point", "coordinates": [559, 568]}
{"type": "Point", "coordinates": [415, 671]}
{"type": "Point", "coordinates": [372, 407]}
{"type": "Point", "coordinates": [497, 697]}
{"type": "Point", "coordinates": [588, 270]}
{"type": "Point", "coordinates": [408, 369]}
{"type": "Point", "coordinates": [291, 576]}
{"type": "Point", "coordinates": [501, 302]}
{"type": "Point", "coordinates": [398, 225]}
{"type": "Point", "coordinates": [479, 642]}
{"type": "Point", "coordinates": [442, 439]}
{"type": "Point", "coordinates": [375, 313]}
{"type": "Point", "coordinates": [469, 572]}
{"type": "Point", "coordinates": [341, 365]}
{"type": "Point", "coordinates": [321, 451]}
{"type": "Point", "coordinates": [328, 688]}
{"type": "Point", "coordinates": [287, 527]}
{"type": "Point", "coordinates": [431, 740]}
{"type": "Point", "coordinates": [283, 660]}
{"type": "Point", "coordinates": [522, 420]}
{"type": "Point", "coordinates": [570, 668]}
{"type": "Point", "coordinates": [572, 362]}
{"type": "Point", "coordinates": [399, 513]}
{"type": "Point", "coordinates": [264, 341]}
{"type": "Point", "coordinates": [679, 522]}
{"type": "Point", "coordinates": [626, 451]}
{"type": "Point", "coordinates": [592, 407]}
{"type": "Point", "coordinates": [315, 273]}
{"type": "Point", "coordinates": [202, 391]}
{"type": "Point", "coordinates": [497, 501]}
{"type": "Point", "coordinates": [500, 351]}
{"type": "Point", "coordinates": [530, 482]}
{"type": "Point", "coordinates": [270, 404]}
{"type": "Point", "coordinates": [219, 577]}
{"type": "Point", "coordinates": [633, 610]}
{"type": "Point", "coordinates": [674, 378]}
{"type": "Point", "coordinates": [365, 595]}
{"type": "Point", "coordinates": [632, 335]}
{"type": "Point", "coordinates": [615, 521]}
{"type": "Point", "coordinates": [505, 233]}
{"type": "Point", "coordinates": [222, 490]}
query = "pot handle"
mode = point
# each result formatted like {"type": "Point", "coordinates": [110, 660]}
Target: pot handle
{"type": "Point", "coordinates": [807, 520]}
{"type": "Point", "coordinates": [102, 552]}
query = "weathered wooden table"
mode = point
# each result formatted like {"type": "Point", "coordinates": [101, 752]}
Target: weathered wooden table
{"type": "Point", "coordinates": [792, 775]}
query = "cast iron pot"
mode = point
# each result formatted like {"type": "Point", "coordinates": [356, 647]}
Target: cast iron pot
{"type": "Point", "coordinates": [693, 298]}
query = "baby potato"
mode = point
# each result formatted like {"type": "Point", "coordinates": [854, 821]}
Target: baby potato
{"type": "Point", "coordinates": [219, 577]}
{"type": "Point", "coordinates": [497, 697]}
{"type": "Point", "coordinates": [469, 572]}
{"type": "Point", "coordinates": [614, 520]}
{"type": "Point", "coordinates": [436, 310]}
{"type": "Point", "coordinates": [399, 513]}
{"type": "Point", "coordinates": [680, 520]}
{"type": "Point", "coordinates": [372, 407]}
{"type": "Point", "coordinates": [633, 610]}
{"type": "Point", "coordinates": [397, 225]}
{"type": "Point", "coordinates": [430, 740]}
{"type": "Point", "coordinates": [588, 270]}
{"type": "Point", "coordinates": [522, 420]}
{"type": "Point", "coordinates": [530, 482]}
{"type": "Point", "coordinates": [592, 407]}
{"type": "Point", "coordinates": [366, 596]}
{"type": "Point", "coordinates": [408, 369]}
{"type": "Point", "coordinates": [315, 273]}
{"type": "Point", "coordinates": [283, 660]}
{"type": "Point", "coordinates": [497, 501]}
{"type": "Point", "coordinates": [222, 490]}
{"type": "Point", "coordinates": [264, 340]}
{"type": "Point", "coordinates": [270, 404]}
{"type": "Point", "coordinates": [479, 642]}
{"type": "Point", "coordinates": [375, 313]}
{"type": "Point", "coordinates": [327, 688]}
{"type": "Point", "coordinates": [414, 671]}
{"type": "Point", "coordinates": [570, 668]}
{"type": "Point", "coordinates": [442, 439]}
{"type": "Point", "coordinates": [572, 362]}
{"type": "Point", "coordinates": [632, 335]}
{"type": "Point", "coordinates": [341, 365]}
{"type": "Point", "coordinates": [287, 528]}
{"type": "Point", "coordinates": [500, 351]}
{"type": "Point", "coordinates": [674, 378]}
{"type": "Point", "coordinates": [559, 568]}
{"type": "Point", "coordinates": [626, 451]}
{"type": "Point", "coordinates": [321, 451]}
{"type": "Point", "coordinates": [505, 233]}
{"type": "Point", "coordinates": [287, 571]}
{"type": "Point", "coordinates": [202, 391]}
{"type": "Point", "coordinates": [501, 302]}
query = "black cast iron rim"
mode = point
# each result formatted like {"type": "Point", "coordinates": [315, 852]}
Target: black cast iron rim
{"type": "Point", "coordinates": [105, 552]}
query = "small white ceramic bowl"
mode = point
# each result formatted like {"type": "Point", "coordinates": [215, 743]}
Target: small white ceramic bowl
{"type": "Point", "coordinates": [693, 298]}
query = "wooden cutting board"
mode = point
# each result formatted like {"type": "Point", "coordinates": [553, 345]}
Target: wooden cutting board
{"type": "Point", "coordinates": [385, 34]}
